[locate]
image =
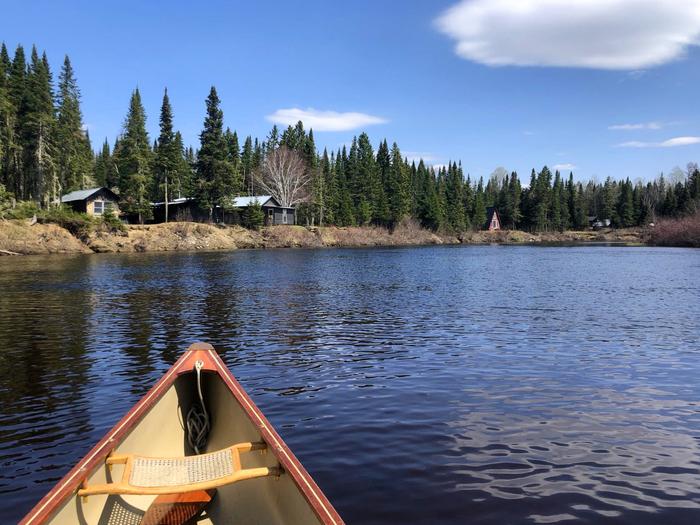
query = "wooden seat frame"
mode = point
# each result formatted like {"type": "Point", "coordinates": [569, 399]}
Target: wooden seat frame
{"type": "Point", "coordinates": [124, 487]}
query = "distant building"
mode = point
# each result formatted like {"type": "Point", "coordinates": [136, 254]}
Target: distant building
{"type": "Point", "coordinates": [597, 224]}
{"type": "Point", "coordinates": [95, 201]}
{"type": "Point", "coordinates": [274, 213]}
{"type": "Point", "coordinates": [179, 210]}
{"type": "Point", "coordinates": [493, 219]}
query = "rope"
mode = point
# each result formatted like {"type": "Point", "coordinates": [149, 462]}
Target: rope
{"type": "Point", "coordinates": [197, 417]}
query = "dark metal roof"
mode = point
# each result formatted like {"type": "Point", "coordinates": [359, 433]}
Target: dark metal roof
{"type": "Point", "coordinates": [81, 195]}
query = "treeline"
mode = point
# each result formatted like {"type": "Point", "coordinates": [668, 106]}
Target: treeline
{"type": "Point", "coordinates": [45, 152]}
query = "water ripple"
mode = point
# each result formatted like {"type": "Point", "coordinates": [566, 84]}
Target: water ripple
{"type": "Point", "coordinates": [433, 385]}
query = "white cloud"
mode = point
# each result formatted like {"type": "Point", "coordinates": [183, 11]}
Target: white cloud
{"type": "Point", "coordinates": [564, 167]}
{"type": "Point", "coordinates": [632, 127]}
{"type": "Point", "coordinates": [600, 34]}
{"type": "Point", "coordinates": [670, 143]}
{"type": "Point", "coordinates": [324, 120]}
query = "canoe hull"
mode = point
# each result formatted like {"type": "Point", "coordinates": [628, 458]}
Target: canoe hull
{"type": "Point", "coordinates": [154, 427]}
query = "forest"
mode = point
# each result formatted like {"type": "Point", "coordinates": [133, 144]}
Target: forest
{"type": "Point", "coordinates": [45, 152]}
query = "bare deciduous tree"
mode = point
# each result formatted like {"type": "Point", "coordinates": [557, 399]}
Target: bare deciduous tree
{"type": "Point", "coordinates": [284, 176]}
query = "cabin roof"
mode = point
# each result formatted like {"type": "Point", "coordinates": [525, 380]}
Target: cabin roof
{"type": "Point", "coordinates": [81, 195]}
{"type": "Point", "coordinates": [263, 200]}
{"type": "Point", "coordinates": [179, 200]}
{"type": "Point", "coordinates": [242, 202]}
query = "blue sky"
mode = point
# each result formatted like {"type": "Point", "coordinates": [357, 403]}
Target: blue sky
{"type": "Point", "coordinates": [513, 83]}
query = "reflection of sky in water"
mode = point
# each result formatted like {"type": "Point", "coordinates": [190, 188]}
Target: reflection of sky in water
{"type": "Point", "coordinates": [431, 385]}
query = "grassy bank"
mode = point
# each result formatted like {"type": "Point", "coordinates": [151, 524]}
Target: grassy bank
{"type": "Point", "coordinates": [22, 237]}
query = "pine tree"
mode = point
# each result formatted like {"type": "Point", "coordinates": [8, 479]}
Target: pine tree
{"type": "Point", "coordinates": [168, 161]}
{"type": "Point", "coordinates": [556, 211]}
{"type": "Point", "coordinates": [12, 166]}
{"type": "Point", "coordinates": [5, 111]}
{"type": "Point", "coordinates": [479, 217]}
{"type": "Point", "coordinates": [216, 178]}
{"type": "Point", "coordinates": [103, 161]}
{"type": "Point", "coordinates": [398, 185]}
{"type": "Point", "coordinates": [609, 198]}
{"type": "Point", "coordinates": [182, 183]}
{"type": "Point", "coordinates": [247, 165]}
{"type": "Point", "coordinates": [74, 154]}
{"type": "Point", "coordinates": [625, 206]}
{"type": "Point", "coordinates": [515, 190]}
{"type": "Point", "coordinates": [37, 129]}
{"type": "Point", "coordinates": [580, 209]}
{"type": "Point", "coordinates": [132, 157]}
{"type": "Point", "coordinates": [454, 199]}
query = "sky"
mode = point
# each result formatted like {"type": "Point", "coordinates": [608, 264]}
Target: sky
{"type": "Point", "coordinates": [599, 87]}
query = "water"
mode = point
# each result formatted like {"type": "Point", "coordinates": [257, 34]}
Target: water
{"type": "Point", "coordinates": [488, 385]}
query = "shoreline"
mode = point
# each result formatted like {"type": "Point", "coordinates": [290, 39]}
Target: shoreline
{"type": "Point", "coordinates": [19, 237]}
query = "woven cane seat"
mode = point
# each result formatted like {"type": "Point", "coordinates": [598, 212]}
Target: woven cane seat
{"type": "Point", "coordinates": [168, 472]}
{"type": "Point", "coordinates": [146, 475]}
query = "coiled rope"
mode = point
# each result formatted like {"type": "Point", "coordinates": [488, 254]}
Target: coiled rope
{"type": "Point", "coordinates": [197, 417]}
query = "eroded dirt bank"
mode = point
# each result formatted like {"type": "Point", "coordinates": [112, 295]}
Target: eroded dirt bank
{"type": "Point", "coordinates": [20, 237]}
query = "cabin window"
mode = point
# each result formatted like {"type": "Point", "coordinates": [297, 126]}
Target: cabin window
{"type": "Point", "coordinates": [99, 207]}
{"type": "Point", "coordinates": [284, 216]}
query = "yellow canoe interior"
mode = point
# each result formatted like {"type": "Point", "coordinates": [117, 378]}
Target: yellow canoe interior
{"type": "Point", "coordinates": [161, 433]}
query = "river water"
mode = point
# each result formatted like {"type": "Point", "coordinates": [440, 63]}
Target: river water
{"type": "Point", "coordinates": [485, 385]}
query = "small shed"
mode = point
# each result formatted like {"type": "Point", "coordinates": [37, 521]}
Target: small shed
{"type": "Point", "coordinates": [274, 212]}
{"type": "Point", "coordinates": [95, 201]}
{"type": "Point", "coordinates": [493, 219]}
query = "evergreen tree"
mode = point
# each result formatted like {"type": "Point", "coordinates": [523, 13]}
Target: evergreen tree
{"type": "Point", "coordinates": [479, 217]}
{"type": "Point", "coordinates": [625, 206]}
{"type": "Point", "coordinates": [74, 154]}
{"type": "Point", "coordinates": [216, 178]}
{"type": "Point", "coordinates": [609, 196]}
{"type": "Point", "coordinates": [132, 158]}
{"type": "Point", "coordinates": [398, 185]}
{"type": "Point", "coordinates": [168, 161]}
{"type": "Point", "coordinates": [515, 190]}
{"type": "Point", "coordinates": [454, 199]}
{"type": "Point", "coordinates": [247, 165]}
{"type": "Point", "coordinates": [182, 183]}
{"type": "Point", "coordinates": [556, 211]}
{"type": "Point", "coordinates": [37, 127]}
{"type": "Point", "coordinates": [103, 161]}
{"type": "Point", "coordinates": [580, 209]}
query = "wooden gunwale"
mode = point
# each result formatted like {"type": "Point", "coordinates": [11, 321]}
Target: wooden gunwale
{"type": "Point", "coordinates": [72, 481]}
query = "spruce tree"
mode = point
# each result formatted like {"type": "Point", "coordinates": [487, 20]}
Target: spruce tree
{"type": "Point", "coordinates": [398, 185]}
{"type": "Point", "coordinates": [247, 165]}
{"type": "Point", "coordinates": [37, 130]}
{"type": "Point", "coordinates": [132, 157]}
{"type": "Point", "coordinates": [454, 199]}
{"type": "Point", "coordinates": [13, 168]}
{"type": "Point", "coordinates": [168, 157]}
{"type": "Point", "coordinates": [556, 211]}
{"type": "Point", "coordinates": [479, 217]}
{"type": "Point", "coordinates": [5, 110]}
{"type": "Point", "coordinates": [103, 161]}
{"type": "Point", "coordinates": [74, 152]}
{"type": "Point", "coordinates": [216, 180]}
{"type": "Point", "coordinates": [515, 190]}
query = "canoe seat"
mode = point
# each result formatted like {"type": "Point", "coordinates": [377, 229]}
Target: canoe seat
{"type": "Point", "coordinates": [155, 476]}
